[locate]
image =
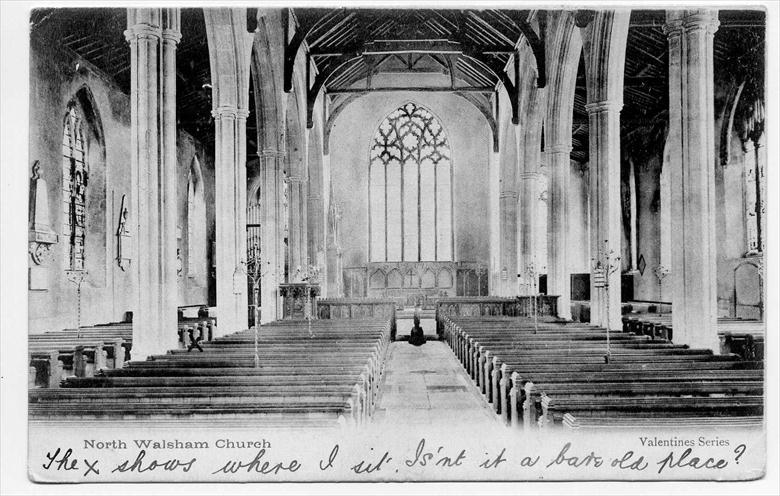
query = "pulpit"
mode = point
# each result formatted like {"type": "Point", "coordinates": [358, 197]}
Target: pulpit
{"type": "Point", "coordinates": [299, 300]}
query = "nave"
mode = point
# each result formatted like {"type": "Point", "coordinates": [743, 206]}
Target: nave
{"type": "Point", "coordinates": [515, 369]}
{"type": "Point", "coordinates": [236, 210]}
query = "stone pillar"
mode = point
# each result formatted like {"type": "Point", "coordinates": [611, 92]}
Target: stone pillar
{"type": "Point", "coordinates": [558, 279]}
{"type": "Point", "coordinates": [527, 264]}
{"type": "Point", "coordinates": [494, 218]}
{"type": "Point", "coordinates": [529, 199]}
{"type": "Point", "coordinates": [563, 46]}
{"type": "Point", "coordinates": [230, 49]}
{"type": "Point", "coordinates": [230, 212]}
{"type": "Point", "coordinates": [508, 260]}
{"type": "Point", "coordinates": [153, 176]}
{"type": "Point", "coordinates": [604, 44]}
{"type": "Point", "coordinates": [605, 221]}
{"type": "Point", "coordinates": [316, 230]}
{"type": "Point", "coordinates": [298, 226]}
{"type": "Point", "coordinates": [335, 274]}
{"type": "Point", "coordinates": [692, 176]}
{"type": "Point", "coordinates": [271, 167]}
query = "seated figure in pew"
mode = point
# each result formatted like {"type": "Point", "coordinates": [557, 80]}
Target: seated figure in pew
{"type": "Point", "coordinates": [416, 335]}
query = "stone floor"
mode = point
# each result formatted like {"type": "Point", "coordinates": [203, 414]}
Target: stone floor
{"type": "Point", "coordinates": [427, 385]}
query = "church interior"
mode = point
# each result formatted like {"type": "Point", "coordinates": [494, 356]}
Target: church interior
{"type": "Point", "coordinates": [240, 212]}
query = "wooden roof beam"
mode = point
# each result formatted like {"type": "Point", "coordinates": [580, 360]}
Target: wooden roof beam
{"type": "Point", "coordinates": [320, 80]}
{"type": "Point", "coordinates": [490, 64]}
{"type": "Point", "coordinates": [426, 89]}
{"type": "Point", "coordinates": [535, 40]}
{"type": "Point", "coordinates": [307, 20]}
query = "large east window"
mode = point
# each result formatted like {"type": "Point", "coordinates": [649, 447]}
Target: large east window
{"type": "Point", "coordinates": [410, 188]}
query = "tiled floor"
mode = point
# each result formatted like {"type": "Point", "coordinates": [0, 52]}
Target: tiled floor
{"type": "Point", "coordinates": [426, 384]}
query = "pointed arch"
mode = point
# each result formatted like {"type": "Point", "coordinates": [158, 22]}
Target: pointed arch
{"type": "Point", "coordinates": [410, 188]}
{"type": "Point", "coordinates": [196, 223]}
{"type": "Point", "coordinates": [75, 179]}
{"type": "Point", "coordinates": [84, 188]}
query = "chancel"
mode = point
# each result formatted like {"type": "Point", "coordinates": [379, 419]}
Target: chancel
{"type": "Point", "coordinates": [246, 215]}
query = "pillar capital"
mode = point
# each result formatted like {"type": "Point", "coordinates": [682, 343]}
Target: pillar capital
{"type": "Point", "coordinates": [142, 31]}
{"type": "Point", "coordinates": [673, 27]}
{"type": "Point", "coordinates": [229, 112]}
{"type": "Point", "coordinates": [294, 179]}
{"type": "Point", "coordinates": [559, 148]}
{"type": "Point", "coordinates": [171, 36]}
{"type": "Point", "coordinates": [529, 176]}
{"type": "Point", "coordinates": [678, 21]}
{"type": "Point", "coordinates": [702, 19]}
{"type": "Point", "coordinates": [603, 106]}
{"type": "Point", "coordinates": [508, 194]}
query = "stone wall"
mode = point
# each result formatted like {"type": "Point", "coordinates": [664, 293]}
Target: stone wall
{"type": "Point", "coordinates": [56, 76]}
{"type": "Point", "coordinates": [730, 236]}
{"type": "Point", "coordinates": [470, 140]}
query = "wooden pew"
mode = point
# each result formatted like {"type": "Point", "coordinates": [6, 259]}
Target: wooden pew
{"type": "Point", "coordinates": [51, 355]}
{"type": "Point", "coordinates": [77, 348]}
{"type": "Point", "coordinates": [733, 333]}
{"type": "Point", "coordinates": [330, 371]}
{"type": "Point", "coordinates": [567, 363]}
{"type": "Point", "coordinates": [611, 422]}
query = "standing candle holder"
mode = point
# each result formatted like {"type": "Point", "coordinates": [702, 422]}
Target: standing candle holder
{"type": "Point", "coordinates": [606, 264]}
{"type": "Point", "coordinates": [78, 277]}
{"type": "Point", "coordinates": [660, 273]}
{"type": "Point", "coordinates": [531, 283]}
{"type": "Point", "coordinates": [256, 270]}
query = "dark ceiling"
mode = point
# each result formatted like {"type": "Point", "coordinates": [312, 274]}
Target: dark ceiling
{"type": "Point", "coordinates": [471, 46]}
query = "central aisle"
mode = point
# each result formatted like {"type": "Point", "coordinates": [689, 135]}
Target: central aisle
{"type": "Point", "coordinates": [426, 385]}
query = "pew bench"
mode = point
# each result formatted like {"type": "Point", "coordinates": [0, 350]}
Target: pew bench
{"type": "Point", "coordinates": [636, 422]}
{"type": "Point", "coordinates": [531, 371]}
{"type": "Point", "coordinates": [323, 369]}
{"type": "Point", "coordinates": [554, 408]}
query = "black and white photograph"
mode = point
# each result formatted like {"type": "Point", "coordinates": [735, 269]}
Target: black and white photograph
{"type": "Point", "coordinates": [412, 242]}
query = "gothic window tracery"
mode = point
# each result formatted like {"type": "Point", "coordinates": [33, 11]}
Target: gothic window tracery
{"type": "Point", "coordinates": [754, 177]}
{"type": "Point", "coordinates": [75, 177]}
{"type": "Point", "coordinates": [410, 188]}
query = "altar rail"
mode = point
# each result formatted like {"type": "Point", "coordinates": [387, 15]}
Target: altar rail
{"type": "Point", "coordinates": [358, 308]}
{"type": "Point", "coordinates": [521, 306]}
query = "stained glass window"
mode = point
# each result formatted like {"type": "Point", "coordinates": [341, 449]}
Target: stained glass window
{"type": "Point", "coordinates": [75, 177]}
{"type": "Point", "coordinates": [410, 188]}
